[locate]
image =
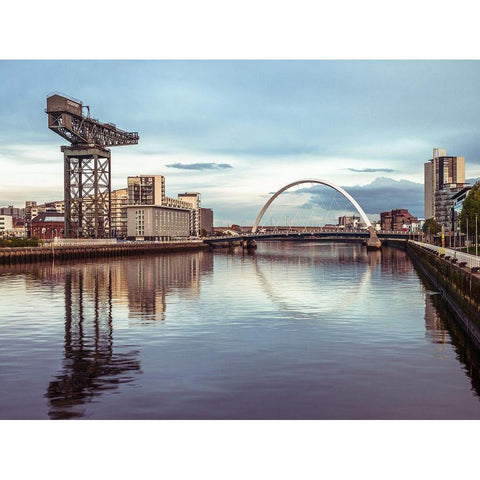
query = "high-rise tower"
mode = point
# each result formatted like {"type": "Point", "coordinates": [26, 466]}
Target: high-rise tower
{"type": "Point", "coordinates": [441, 172]}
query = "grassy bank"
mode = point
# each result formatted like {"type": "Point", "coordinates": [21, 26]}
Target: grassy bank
{"type": "Point", "coordinates": [19, 242]}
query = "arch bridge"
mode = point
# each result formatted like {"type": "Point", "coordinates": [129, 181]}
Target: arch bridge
{"type": "Point", "coordinates": [369, 235]}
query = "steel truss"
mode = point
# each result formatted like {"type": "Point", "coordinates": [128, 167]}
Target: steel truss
{"type": "Point", "coordinates": [87, 182]}
{"type": "Point", "coordinates": [83, 130]}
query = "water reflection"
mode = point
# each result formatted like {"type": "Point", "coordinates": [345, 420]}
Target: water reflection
{"type": "Point", "coordinates": [150, 281]}
{"type": "Point", "coordinates": [138, 328]}
{"type": "Point", "coordinates": [442, 328]}
{"type": "Point", "coordinates": [313, 290]}
{"type": "Point", "coordinates": [90, 364]}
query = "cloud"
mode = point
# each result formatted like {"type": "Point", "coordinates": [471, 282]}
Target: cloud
{"type": "Point", "coordinates": [370, 170]}
{"type": "Point", "coordinates": [381, 195]}
{"type": "Point", "coordinates": [200, 166]}
{"type": "Point", "coordinates": [472, 181]}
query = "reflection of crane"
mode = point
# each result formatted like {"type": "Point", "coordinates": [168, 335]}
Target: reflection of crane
{"type": "Point", "coordinates": [91, 366]}
{"type": "Point", "coordinates": [87, 174]}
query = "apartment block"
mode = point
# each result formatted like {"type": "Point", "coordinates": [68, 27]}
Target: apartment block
{"type": "Point", "coordinates": [119, 202]}
{"type": "Point", "coordinates": [444, 174]}
{"type": "Point", "coordinates": [6, 224]}
{"type": "Point", "coordinates": [206, 220]}
{"type": "Point", "coordinates": [156, 222]}
{"type": "Point", "coordinates": [193, 199]}
{"type": "Point", "coordinates": [165, 220]}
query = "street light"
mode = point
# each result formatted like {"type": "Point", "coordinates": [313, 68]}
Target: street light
{"type": "Point", "coordinates": [468, 241]}
{"type": "Point", "coordinates": [476, 235]}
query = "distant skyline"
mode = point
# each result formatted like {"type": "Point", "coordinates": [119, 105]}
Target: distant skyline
{"type": "Point", "coordinates": [237, 130]}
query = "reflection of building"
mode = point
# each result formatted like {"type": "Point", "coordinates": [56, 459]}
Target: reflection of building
{"type": "Point", "coordinates": [443, 176]}
{"type": "Point", "coordinates": [435, 329]}
{"type": "Point", "coordinates": [206, 220]}
{"type": "Point", "coordinates": [95, 361]}
{"type": "Point", "coordinates": [151, 280]}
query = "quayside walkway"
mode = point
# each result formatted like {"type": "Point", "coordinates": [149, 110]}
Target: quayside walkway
{"type": "Point", "coordinates": [454, 256]}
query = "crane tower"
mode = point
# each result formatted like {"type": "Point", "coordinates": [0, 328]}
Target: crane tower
{"type": "Point", "coordinates": [87, 161]}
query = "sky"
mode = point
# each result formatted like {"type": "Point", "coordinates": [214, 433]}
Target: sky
{"type": "Point", "coordinates": [236, 131]}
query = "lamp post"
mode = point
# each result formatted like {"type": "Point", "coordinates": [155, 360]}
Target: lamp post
{"type": "Point", "coordinates": [476, 235]}
{"type": "Point", "coordinates": [468, 241]}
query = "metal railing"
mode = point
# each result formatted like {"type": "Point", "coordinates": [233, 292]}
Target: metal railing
{"type": "Point", "coordinates": [471, 261]}
{"type": "Point", "coordinates": [292, 233]}
{"type": "Point", "coordinates": [91, 242]}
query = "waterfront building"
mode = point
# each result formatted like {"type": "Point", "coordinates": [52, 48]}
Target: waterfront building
{"type": "Point", "coordinates": [30, 210]}
{"type": "Point", "coordinates": [441, 172]}
{"type": "Point", "coordinates": [398, 219]}
{"type": "Point", "coordinates": [57, 206]}
{"type": "Point", "coordinates": [12, 211]}
{"type": "Point", "coordinates": [193, 198]}
{"type": "Point", "coordinates": [457, 200]}
{"type": "Point", "coordinates": [146, 190]}
{"type": "Point", "coordinates": [349, 221]}
{"type": "Point", "coordinates": [149, 190]}
{"type": "Point", "coordinates": [157, 222]}
{"type": "Point", "coordinates": [206, 221]}
{"type": "Point", "coordinates": [19, 229]}
{"type": "Point", "coordinates": [6, 224]}
{"type": "Point", "coordinates": [48, 225]}
{"type": "Point", "coordinates": [444, 202]}
{"type": "Point", "coordinates": [119, 202]}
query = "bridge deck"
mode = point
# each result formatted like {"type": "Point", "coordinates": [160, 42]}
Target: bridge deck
{"type": "Point", "coordinates": [335, 235]}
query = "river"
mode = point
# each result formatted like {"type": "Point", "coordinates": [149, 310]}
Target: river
{"type": "Point", "coordinates": [292, 331]}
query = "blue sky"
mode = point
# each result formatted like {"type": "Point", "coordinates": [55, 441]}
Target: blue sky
{"type": "Point", "coordinates": [237, 130]}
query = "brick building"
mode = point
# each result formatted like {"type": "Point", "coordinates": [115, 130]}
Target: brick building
{"type": "Point", "coordinates": [48, 225]}
{"type": "Point", "coordinates": [396, 219]}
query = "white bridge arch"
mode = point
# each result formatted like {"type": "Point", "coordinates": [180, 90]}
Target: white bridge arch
{"type": "Point", "coordinates": [320, 182]}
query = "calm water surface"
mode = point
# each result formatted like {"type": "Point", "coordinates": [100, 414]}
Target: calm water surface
{"type": "Point", "coordinates": [293, 331]}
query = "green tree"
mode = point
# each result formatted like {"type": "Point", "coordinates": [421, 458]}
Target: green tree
{"type": "Point", "coordinates": [471, 206]}
{"type": "Point", "coordinates": [431, 226]}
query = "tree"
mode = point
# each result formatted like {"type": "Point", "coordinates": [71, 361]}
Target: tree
{"type": "Point", "coordinates": [431, 226]}
{"type": "Point", "coordinates": [471, 206]}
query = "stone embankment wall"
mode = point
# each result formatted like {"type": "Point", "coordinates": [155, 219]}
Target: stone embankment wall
{"type": "Point", "coordinates": [459, 286]}
{"type": "Point", "coordinates": [42, 254]}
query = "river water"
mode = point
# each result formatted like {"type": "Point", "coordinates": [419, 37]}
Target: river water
{"type": "Point", "coordinates": [292, 331]}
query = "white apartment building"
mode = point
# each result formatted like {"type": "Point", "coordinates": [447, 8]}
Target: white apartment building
{"type": "Point", "coordinates": [149, 191]}
{"type": "Point", "coordinates": [6, 224]}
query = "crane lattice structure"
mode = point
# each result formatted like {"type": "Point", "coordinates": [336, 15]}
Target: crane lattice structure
{"type": "Point", "coordinates": [87, 165]}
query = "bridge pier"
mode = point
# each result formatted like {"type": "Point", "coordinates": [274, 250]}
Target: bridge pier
{"type": "Point", "coordinates": [234, 243]}
{"type": "Point", "coordinates": [250, 244]}
{"type": "Point", "coordinates": [373, 242]}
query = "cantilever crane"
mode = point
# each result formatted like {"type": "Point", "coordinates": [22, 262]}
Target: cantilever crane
{"type": "Point", "coordinates": [87, 161]}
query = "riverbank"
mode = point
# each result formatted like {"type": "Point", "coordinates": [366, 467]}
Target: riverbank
{"type": "Point", "coordinates": [71, 252]}
{"type": "Point", "coordinates": [458, 283]}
